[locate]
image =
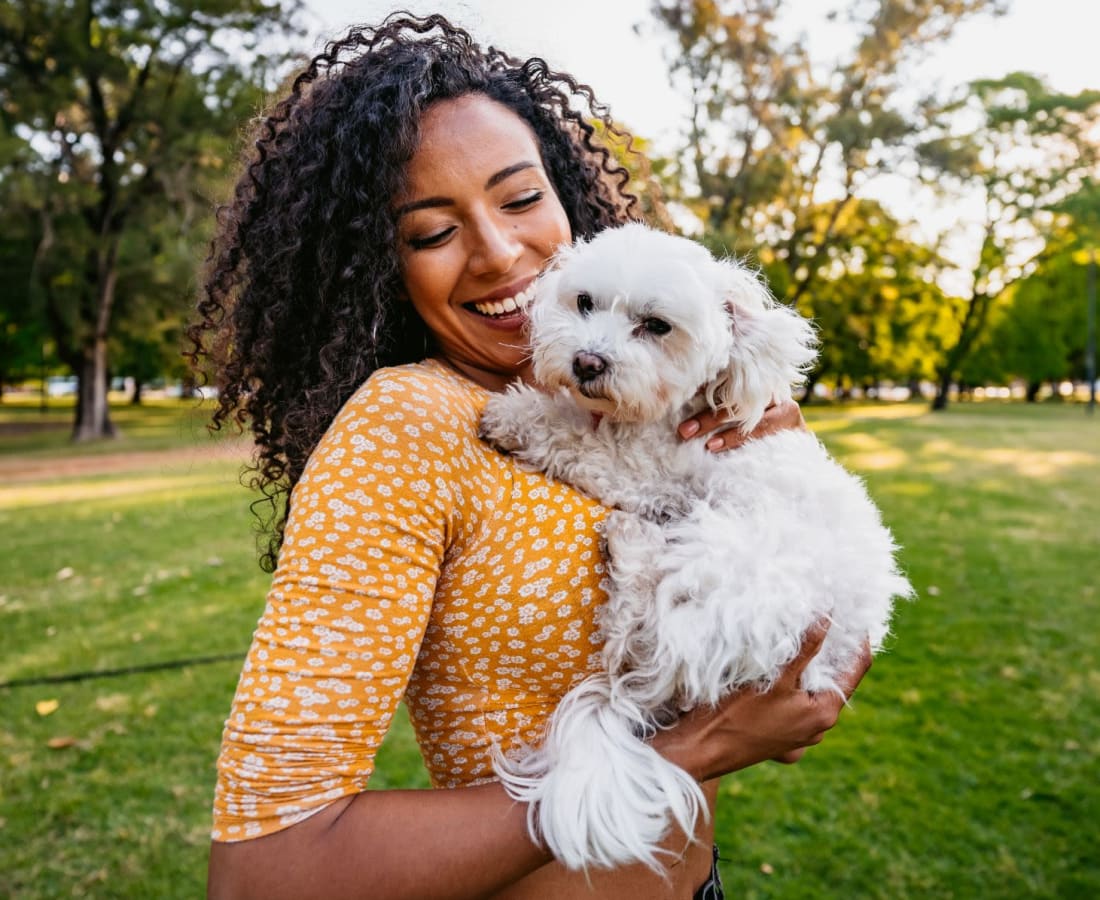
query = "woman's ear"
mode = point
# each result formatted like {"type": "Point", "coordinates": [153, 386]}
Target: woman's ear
{"type": "Point", "coordinates": [773, 347]}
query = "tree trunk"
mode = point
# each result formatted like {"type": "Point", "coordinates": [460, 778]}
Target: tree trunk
{"type": "Point", "coordinates": [808, 388]}
{"type": "Point", "coordinates": [135, 397]}
{"type": "Point", "coordinates": [93, 419]}
{"type": "Point", "coordinates": [939, 402]}
{"type": "Point", "coordinates": [1032, 393]}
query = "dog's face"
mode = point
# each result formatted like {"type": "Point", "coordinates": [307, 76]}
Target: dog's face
{"type": "Point", "coordinates": [635, 323]}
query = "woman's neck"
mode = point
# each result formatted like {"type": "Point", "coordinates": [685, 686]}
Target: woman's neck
{"type": "Point", "coordinates": [491, 381]}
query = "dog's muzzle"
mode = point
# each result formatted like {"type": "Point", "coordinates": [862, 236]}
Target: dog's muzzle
{"type": "Point", "coordinates": [588, 366]}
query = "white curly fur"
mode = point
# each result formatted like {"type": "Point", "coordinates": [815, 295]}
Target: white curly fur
{"type": "Point", "coordinates": [719, 563]}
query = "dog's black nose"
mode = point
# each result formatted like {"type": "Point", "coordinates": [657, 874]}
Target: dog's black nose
{"type": "Point", "coordinates": [587, 366]}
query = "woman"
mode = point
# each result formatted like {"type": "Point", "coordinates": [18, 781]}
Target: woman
{"type": "Point", "coordinates": [365, 295]}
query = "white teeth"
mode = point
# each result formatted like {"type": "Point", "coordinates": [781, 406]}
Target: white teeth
{"type": "Point", "coordinates": [508, 304]}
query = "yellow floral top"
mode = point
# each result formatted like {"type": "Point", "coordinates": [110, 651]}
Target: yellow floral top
{"type": "Point", "coordinates": [417, 562]}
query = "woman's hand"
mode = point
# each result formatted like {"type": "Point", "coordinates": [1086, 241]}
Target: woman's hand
{"type": "Point", "coordinates": [786, 414]}
{"type": "Point", "coordinates": [751, 726]}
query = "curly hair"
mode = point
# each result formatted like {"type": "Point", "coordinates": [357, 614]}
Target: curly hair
{"type": "Point", "coordinates": [300, 300]}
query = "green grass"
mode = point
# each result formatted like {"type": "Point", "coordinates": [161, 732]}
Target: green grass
{"type": "Point", "coordinates": [967, 767]}
{"type": "Point", "coordinates": [155, 425]}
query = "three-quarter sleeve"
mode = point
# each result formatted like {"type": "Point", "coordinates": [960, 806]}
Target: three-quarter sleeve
{"type": "Point", "coordinates": [369, 524]}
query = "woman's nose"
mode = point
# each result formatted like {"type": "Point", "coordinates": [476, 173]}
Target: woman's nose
{"type": "Point", "coordinates": [496, 248]}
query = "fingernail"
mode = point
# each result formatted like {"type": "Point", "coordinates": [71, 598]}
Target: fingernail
{"type": "Point", "coordinates": [716, 443]}
{"type": "Point", "coordinates": [689, 428]}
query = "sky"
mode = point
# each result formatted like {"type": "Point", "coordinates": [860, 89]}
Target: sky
{"type": "Point", "coordinates": [614, 46]}
{"type": "Point", "coordinates": [596, 41]}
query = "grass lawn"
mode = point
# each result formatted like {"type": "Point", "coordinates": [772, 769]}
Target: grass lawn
{"type": "Point", "coordinates": [968, 766]}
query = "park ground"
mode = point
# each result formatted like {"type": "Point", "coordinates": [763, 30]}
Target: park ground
{"type": "Point", "coordinates": [966, 767]}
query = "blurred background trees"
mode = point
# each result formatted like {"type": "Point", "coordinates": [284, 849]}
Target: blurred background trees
{"type": "Point", "coordinates": [117, 121]}
{"type": "Point", "coordinates": [785, 158]}
{"type": "Point", "coordinates": [120, 123]}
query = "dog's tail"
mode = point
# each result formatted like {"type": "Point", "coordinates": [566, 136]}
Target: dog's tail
{"type": "Point", "coordinates": [598, 795]}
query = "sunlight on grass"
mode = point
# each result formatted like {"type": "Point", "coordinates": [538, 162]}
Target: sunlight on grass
{"type": "Point", "coordinates": [865, 453]}
{"type": "Point", "coordinates": [1023, 461]}
{"type": "Point", "coordinates": [965, 766]}
{"type": "Point", "coordinates": [143, 488]}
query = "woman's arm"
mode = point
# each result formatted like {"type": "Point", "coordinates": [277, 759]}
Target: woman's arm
{"type": "Point", "coordinates": [470, 842]}
{"type": "Point", "coordinates": [466, 842]}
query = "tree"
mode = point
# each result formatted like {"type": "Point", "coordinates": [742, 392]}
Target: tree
{"type": "Point", "coordinates": [155, 297]}
{"type": "Point", "coordinates": [779, 150]}
{"type": "Point", "coordinates": [22, 335]}
{"type": "Point", "coordinates": [1022, 149]}
{"type": "Point", "coordinates": [117, 113]}
{"type": "Point", "coordinates": [1038, 328]}
{"type": "Point", "coordinates": [879, 312]}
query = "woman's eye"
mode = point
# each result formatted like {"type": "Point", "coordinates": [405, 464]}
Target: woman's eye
{"type": "Point", "coordinates": [524, 201]}
{"type": "Point", "coordinates": [430, 240]}
{"type": "Point", "coordinates": [656, 326]}
{"type": "Point", "coordinates": [584, 303]}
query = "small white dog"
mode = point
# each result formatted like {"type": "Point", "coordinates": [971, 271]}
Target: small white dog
{"type": "Point", "coordinates": [719, 564]}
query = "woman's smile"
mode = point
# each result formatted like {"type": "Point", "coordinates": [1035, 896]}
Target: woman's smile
{"type": "Point", "coordinates": [477, 224]}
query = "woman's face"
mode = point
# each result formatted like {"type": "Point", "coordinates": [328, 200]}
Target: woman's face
{"type": "Point", "coordinates": [478, 222]}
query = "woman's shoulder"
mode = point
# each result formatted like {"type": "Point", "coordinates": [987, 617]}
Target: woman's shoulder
{"type": "Point", "coordinates": [400, 404]}
{"type": "Point", "coordinates": [425, 390]}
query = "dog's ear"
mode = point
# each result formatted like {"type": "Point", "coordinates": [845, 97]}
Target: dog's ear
{"type": "Point", "coordinates": [772, 349]}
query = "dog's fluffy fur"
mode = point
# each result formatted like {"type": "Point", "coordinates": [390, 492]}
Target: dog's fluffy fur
{"type": "Point", "coordinates": [718, 563]}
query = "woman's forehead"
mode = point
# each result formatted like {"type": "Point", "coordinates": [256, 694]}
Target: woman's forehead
{"type": "Point", "coordinates": [471, 137]}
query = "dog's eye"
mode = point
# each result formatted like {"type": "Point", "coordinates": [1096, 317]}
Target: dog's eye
{"type": "Point", "coordinates": [656, 326]}
{"type": "Point", "coordinates": [584, 303]}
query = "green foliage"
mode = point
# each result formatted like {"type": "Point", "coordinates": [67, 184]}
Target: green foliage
{"type": "Point", "coordinates": [1037, 328]}
{"type": "Point", "coordinates": [1025, 151]}
{"type": "Point", "coordinates": [779, 156]}
{"type": "Point", "coordinates": [965, 767]}
{"type": "Point", "coordinates": [117, 122]}
{"type": "Point", "coordinates": [781, 152]}
{"type": "Point", "coordinates": [771, 131]}
{"type": "Point", "coordinates": [879, 313]}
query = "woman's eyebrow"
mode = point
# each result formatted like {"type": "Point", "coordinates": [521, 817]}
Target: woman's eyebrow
{"type": "Point", "coordinates": [508, 171]}
{"type": "Point", "coordinates": [494, 179]}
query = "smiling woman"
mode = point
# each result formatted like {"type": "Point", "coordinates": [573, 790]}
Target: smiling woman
{"type": "Point", "coordinates": [366, 295]}
{"type": "Point", "coordinates": [474, 236]}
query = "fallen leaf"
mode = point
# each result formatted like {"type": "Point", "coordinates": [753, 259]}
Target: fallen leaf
{"type": "Point", "coordinates": [766, 868]}
{"type": "Point", "coordinates": [45, 707]}
{"type": "Point", "coordinates": [60, 743]}
{"type": "Point", "coordinates": [63, 574]}
{"type": "Point", "coordinates": [932, 591]}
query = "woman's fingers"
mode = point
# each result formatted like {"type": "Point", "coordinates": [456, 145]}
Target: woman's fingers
{"type": "Point", "coordinates": [811, 644]}
{"type": "Point", "coordinates": [850, 680]}
{"type": "Point", "coordinates": [727, 435]}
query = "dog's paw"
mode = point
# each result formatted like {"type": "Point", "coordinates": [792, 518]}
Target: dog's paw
{"type": "Point", "coordinates": [629, 535]}
{"type": "Point", "coordinates": [500, 425]}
